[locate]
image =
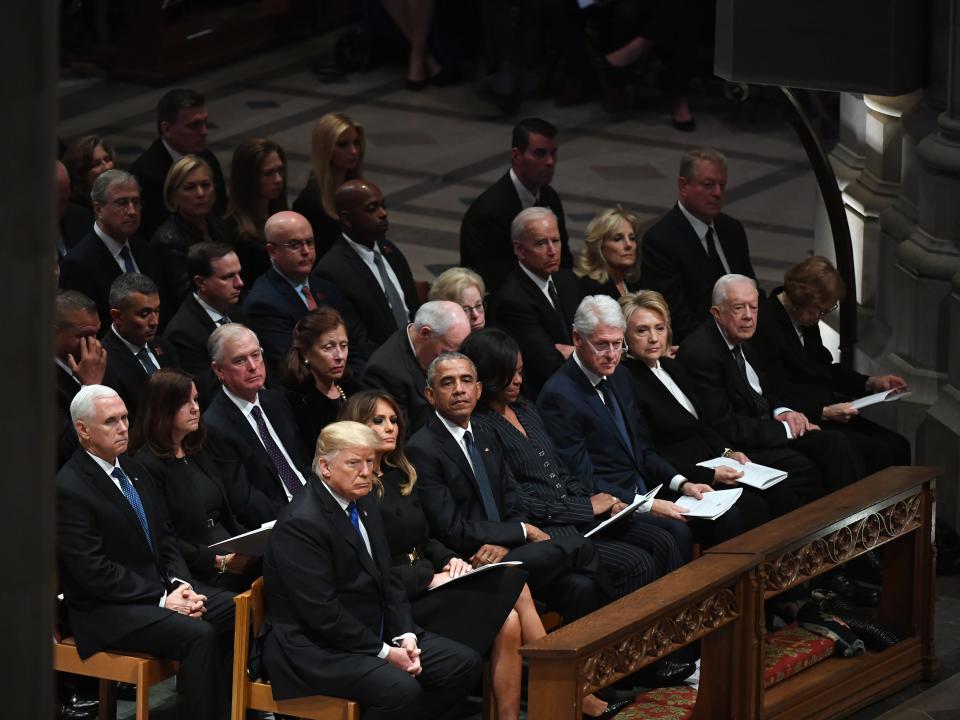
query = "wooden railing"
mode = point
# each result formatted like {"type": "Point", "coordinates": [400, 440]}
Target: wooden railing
{"type": "Point", "coordinates": [719, 600]}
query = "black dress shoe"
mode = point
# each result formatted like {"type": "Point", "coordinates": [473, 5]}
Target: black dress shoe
{"type": "Point", "coordinates": [663, 673]}
{"type": "Point", "coordinates": [66, 711]}
{"type": "Point", "coordinates": [80, 703]}
{"type": "Point", "coordinates": [613, 708]}
{"type": "Point", "coordinates": [127, 691]}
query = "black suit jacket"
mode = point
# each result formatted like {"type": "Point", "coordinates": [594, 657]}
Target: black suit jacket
{"type": "Point", "coordinates": [344, 268]}
{"type": "Point", "coordinates": [326, 230]}
{"type": "Point", "coordinates": [187, 334]}
{"type": "Point", "coordinates": [124, 372]}
{"type": "Point", "coordinates": [151, 170]}
{"type": "Point", "coordinates": [485, 243]}
{"type": "Point", "coordinates": [67, 388]}
{"type": "Point", "coordinates": [728, 404]}
{"type": "Point", "coordinates": [588, 440]}
{"type": "Point", "coordinates": [521, 310]}
{"type": "Point", "coordinates": [451, 497]}
{"type": "Point", "coordinates": [90, 268]}
{"type": "Point", "coordinates": [328, 601]}
{"type": "Point", "coordinates": [394, 369]}
{"type": "Point", "coordinates": [675, 264]}
{"type": "Point", "coordinates": [253, 486]}
{"type": "Point", "coordinates": [681, 438]}
{"type": "Point", "coordinates": [803, 375]}
{"type": "Point", "coordinates": [112, 579]}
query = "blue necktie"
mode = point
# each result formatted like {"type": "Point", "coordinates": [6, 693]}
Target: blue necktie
{"type": "Point", "coordinates": [133, 497]}
{"type": "Point", "coordinates": [355, 521]}
{"type": "Point", "coordinates": [613, 407]}
{"type": "Point", "coordinates": [148, 364]}
{"type": "Point", "coordinates": [483, 481]}
{"type": "Point", "coordinates": [127, 258]}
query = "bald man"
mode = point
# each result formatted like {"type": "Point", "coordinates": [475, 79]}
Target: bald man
{"type": "Point", "coordinates": [74, 220]}
{"type": "Point", "coordinates": [286, 292]}
{"type": "Point", "coordinates": [370, 271]}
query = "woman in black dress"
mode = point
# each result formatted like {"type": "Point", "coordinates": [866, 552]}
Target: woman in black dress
{"type": "Point", "coordinates": [609, 261]}
{"type": "Point", "coordinates": [491, 611]}
{"type": "Point", "coordinates": [168, 439]}
{"type": "Point", "coordinates": [258, 189]}
{"type": "Point", "coordinates": [314, 372]}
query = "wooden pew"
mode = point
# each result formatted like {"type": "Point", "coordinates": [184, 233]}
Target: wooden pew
{"type": "Point", "coordinates": [720, 597]}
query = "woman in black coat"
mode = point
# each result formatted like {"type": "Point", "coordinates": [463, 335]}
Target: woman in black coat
{"type": "Point", "coordinates": [168, 439]}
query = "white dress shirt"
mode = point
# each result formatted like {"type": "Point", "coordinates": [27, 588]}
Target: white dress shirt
{"type": "Point", "coordinates": [297, 286]}
{"type": "Point", "coordinates": [133, 348]}
{"type": "Point", "coordinates": [700, 228]}
{"type": "Point", "coordinates": [542, 283]}
{"type": "Point", "coordinates": [527, 198]}
{"type": "Point", "coordinates": [366, 254]}
{"type": "Point", "coordinates": [246, 408]}
{"type": "Point", "coordinates": [211, 311]}
{"type": "Point", "coordinates": [114, 247]}
{"type": "Point", "coordinates": [174, 155]}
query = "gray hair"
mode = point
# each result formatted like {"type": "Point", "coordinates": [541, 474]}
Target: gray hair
{"type": "Point", "coordinates": [519, 224]}
{"type": "Point", "coordinates": [82, 405]}
{"type": "Point", "coordinates": [106, 180]}
{"type": "Point", "coordinates": [70, 301]}
{"type": "Point", "coordinates": [221, 335]}
{"type": "Point", "coordinates": [720, 287]}
{"type": "Point", "coordinates": [597, 310]}
{"type": "Point", "coordinates": [439, 316]}
{"type": "Point", "coordinates": [126, 285]}
{"type": "Point", "coordinates": [447, 357]}
{"type": "Point", "coordinates": [342, 435]}
{"type": "Point", "coordinates": [453, 281]}
{"type": "Point", "coordinates": [688, 163]}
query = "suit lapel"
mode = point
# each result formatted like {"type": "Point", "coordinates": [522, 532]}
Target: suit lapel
{"type": "Point", "coordinates": [375, 293]}
{"type": "Point", "coordinates": [596, 404]}
{"type": "Point", "coordinates": [342, 525]}
{"type": "Point", "coordinates": [244, 430]}
{"type": "Point", "coordinates": [105, 485]}
{"type": "Point", "coordinates": [548, 311]}
{"type": "Point", "coordinates": [451, 449]}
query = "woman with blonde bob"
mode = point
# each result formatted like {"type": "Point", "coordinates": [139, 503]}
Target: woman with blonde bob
{"type": "Point", "coordinates": [338, 145]}
{"type": "Point", "coordinates": [609, 262]}
{"type": "Point", "coordinates": [464, 287]}
{"type": "Point", "coordinates": [189, 194]}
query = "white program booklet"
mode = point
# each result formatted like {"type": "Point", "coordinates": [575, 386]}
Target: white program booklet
{"type": "Point", "coordinates": [248, 543]}
{"type": "Point", "coordinates": [885, 396]}
{"type": "Point", "coordinates": [629, 510]}
{"type": "Point", "coordinates": [482, 568]}
{"type": "Point", "coordinates": [754, 474]}
{"type": "Point", "coordinates": [713, 505]}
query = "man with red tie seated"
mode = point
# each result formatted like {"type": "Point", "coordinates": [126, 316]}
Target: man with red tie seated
{"type": "Point", "coordinates": [338, 620]}
{"type": "Point", "coordinates": [125, 583]}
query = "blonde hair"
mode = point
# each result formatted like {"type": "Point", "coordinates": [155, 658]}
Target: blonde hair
{"type": "Point", "coordinates": [323, 139]}
{"type": "Point", "coordinates": [178, 173]}
{"type": "Point", "coordinates": [605, 225]}
{"type": "Point", "coordinates": [647, 300]}
{"type": "Point", "coordinates": [452, 282]}
{"type": "Point", "coordinates": [342, 435]}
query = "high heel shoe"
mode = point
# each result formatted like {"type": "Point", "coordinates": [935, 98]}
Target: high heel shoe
{"type": "Point", "coordinates": [613, 708]}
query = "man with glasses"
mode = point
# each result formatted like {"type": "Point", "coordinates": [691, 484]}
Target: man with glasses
{"type": "Point", "coordinates": [286, 292]}
{"type": "Point", "coordinates": [110, 248]}
{"type": "Point", "coordinates": [694, 243]}
{"type": "Point", "coordinates": [536, 302]}
{"type": "Point", "coordinates": [592, 415]}
{"type": "Point", "coordinates": [369, 270]}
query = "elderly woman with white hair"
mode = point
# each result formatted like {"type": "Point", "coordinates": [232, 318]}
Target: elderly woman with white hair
{"type": "Point", "coordinates": [339, 621]}
{"type": "Point", "coordinates": [464, 287]}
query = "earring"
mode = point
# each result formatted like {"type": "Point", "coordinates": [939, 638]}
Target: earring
{"type": "Point", "coordinates": [306, 362]}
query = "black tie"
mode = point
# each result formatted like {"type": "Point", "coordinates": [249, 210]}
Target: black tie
{"type": "Point", "coordinates": [146, 361]}
{"type": "Point", "coordinates": [717, 265]}
{"type": "Point", "coordinates": [127, 257]}
{"type": "Point", "coordinates": [759, 400]}
{"type": "Point", "coordinates": [287, 476]}
{"type": "Point", "coordinates": [555, 300]}
{"type": "Point", "coordinates": [483, 481]}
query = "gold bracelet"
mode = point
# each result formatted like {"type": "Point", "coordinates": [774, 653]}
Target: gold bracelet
{"type": "Point", "coordinates": [223, 565]}
{"type": "Point", "coordinates": [727, 452]}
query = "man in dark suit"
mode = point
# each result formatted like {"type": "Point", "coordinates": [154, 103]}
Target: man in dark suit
{"type": "Point", "coordinates": [182, 128]}
{"type": "Point", "coordinates": [133, 354]}
{"type": "Point", "coordinates": [369, 270]}
{"type": "Point", "coordinates": [79, 357]}
{"type": "Point", "coordinates": [75, 221]}
{"type": "Point", "coordinates": [471, 500]}
{"type": "Point", "coordinates": [252, 435]}
{"type": "Point", "coordinates": [286, 292]}
{"type": "Point", "coordinates": [538, 299]}
{"type": "Point", "coordinates": [485, 242]}
{"type": "Point", "coordinates": [399, 366]}
{"type": "Point", "coordinates": [110, 248]}
{"type": "Point", "coordinates": [125, 583]}
{"type": "Point", "coordinates": [591, 413]}
{"type": "Point", "coordinates": [215, 273]}
{"type": "Point", "coordinates": [339, 622]}
{"type": "Point", "coordinates": [731, 380]}
{"type": "Point", "coordinates": [690, 247]}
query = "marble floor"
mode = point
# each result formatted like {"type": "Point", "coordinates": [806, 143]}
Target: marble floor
{"type": "Point", "coordinates": [432, 152]}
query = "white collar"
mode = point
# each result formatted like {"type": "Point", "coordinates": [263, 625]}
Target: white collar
{"type": "Point", "coordinates": [214, 314]}
{"type": "Point", "coordinates": [170, 151]}
{"type": "Point", "coordinates": [130, 346]}
{"type": "Point", "coordinates": [699, 226]}
{"type": "Point", "coordinates": [245, 406]}
{"type": "Point", "coordinates": [455, 430]}
{"type": "Point", "coordinates": [104, 465]}
{"type": "Point", "coordinates": [295, 285]}
{"type": "Point", "coordinates": [66, 368]}
{"type": "Point", "coordinates": [340, 501]}
{"type": "Point", "coordinates": [591, 376]}
{"type": "Point", "coordinates": [112, 245]}
{"type": "Point", "coordinates": [538, 281]}
{"type": "Point", "coordinates": [527, 198]}
{"type": "Point", "coordinates": [367, 253]}
{"type": "Point", "coordinates": [730, 345]}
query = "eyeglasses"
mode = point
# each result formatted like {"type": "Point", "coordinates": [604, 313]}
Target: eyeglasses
{"type": "Point", "coordinates": [295, 245]}
{"type": "Point", "coordinates": [823, 313]}
{"type": "Point", "coordinates": [607, 348]}
{"type": "Point", "coordinates": [479, 309]}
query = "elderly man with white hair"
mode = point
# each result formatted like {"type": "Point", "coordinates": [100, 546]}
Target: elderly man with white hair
{"type": "Point", "coordinates": [125, 583]}
{"type": "Point", "coordinates": [400, 365]}
{"type": "Point", "coordinates": [592, 415]}
{"type": "Point", "coordinates": [251, 431]}
{"type": "Point", "coordinates": [537, 300]}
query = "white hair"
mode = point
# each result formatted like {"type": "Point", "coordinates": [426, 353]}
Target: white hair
{"type": "Point", "coordinates": [82, 405]}
{"type": "Point", "coordinates": [219, 337]}
{"type": "Point", "coordinates": [439, 315]}
{"type": "Point", "coordinates": [597, 310]}
{"type": "Point", "coordinates": [720, 287]}
{"type": "Point", "coordinates": [524, 217]}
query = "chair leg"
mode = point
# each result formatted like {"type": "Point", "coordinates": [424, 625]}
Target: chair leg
{"type": "Point", "coordinates": [107, 709]}
{"type": "Point", "coordinates": [143, 701]}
